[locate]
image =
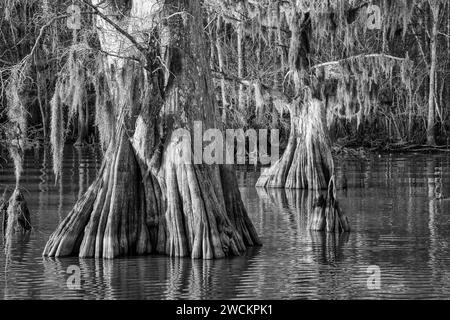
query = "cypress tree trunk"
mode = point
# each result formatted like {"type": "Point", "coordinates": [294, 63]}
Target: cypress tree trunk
{"type": "Point", "coordinates": [432, 89]}
{"type": "Point", "coordinates": [146, 199]}
{"type": "Point", "coordinates": [307, 162]}
{"type": "Point", "coordinates": [15, 214]}
{"type": "Point", "coordinates": [221, 61]}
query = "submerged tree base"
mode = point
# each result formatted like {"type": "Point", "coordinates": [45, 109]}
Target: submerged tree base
{"type": "Point", "coordinates": [307, 162]}
{"type": "Point", "coordinates": [15, 213]}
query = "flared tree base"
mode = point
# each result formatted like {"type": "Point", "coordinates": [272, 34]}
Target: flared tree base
{"type": "Point", "coordinates": [307, 162]}
{"type": "Point", "coordinates": [298, 168]}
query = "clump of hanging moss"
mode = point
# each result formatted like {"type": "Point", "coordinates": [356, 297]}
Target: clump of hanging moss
{"type": "Point", "coordinates": [15, 213]}
{"type": "Point", "coordinates": [57, 130]}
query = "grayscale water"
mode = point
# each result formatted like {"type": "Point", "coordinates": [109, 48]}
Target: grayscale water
{"type": "Point", "coordinates": [396, 205]}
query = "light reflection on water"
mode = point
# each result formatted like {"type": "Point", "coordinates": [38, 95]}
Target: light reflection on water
{"type": "Point", "coordinates": [396, 205]}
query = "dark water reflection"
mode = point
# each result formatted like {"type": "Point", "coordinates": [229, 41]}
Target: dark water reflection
{"type": "Point", "coordinates": [398, 207]}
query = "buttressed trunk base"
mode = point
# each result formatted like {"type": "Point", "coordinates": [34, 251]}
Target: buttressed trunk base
{"type": "Point", "coordinates": [186, 210]}
{"type": "Point", "coordinates": [307, 163]}
{"type": "Point", "coordinates": [146, 199]}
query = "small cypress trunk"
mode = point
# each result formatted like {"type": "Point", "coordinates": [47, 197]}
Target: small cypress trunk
{"type": "Point", "coordinates": [307, 162]}
{"type": "Point", "coordinates": [16, 216]}
{"type": "Point", "coordinates": [108, 220]}
{"type": "Point", "coordinates": [3, 214]}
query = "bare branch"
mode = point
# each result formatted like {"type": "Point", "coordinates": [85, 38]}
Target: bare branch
{"type": "Point", "coordinates": [38, 39]}
{"type": "Point", "coordinates": [117, 27]}
{"type": "Point", "coordinates": [361, 56]}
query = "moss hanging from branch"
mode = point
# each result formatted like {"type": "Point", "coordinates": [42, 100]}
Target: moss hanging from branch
{"type": "Point", "coordinates": [57, 129]}
{"type": "Point", "coordinates": [357, 81]}
{"type": "Point", "coordinates": [347, 87]}
{"type": "Point", "coordinates": [17, 117]}
{"type": "Point", "coordinates": [9, 7]}
{"type": "Point", "coordinates": [76, 84]}
{"type": "Point", "coordinates": [16, 216]}
{"type": "Point", "coordinates": [143, 200]}
{"type": "Point", "coordinates": [68, 98]}
{"type": "Point", "coordinates": [104, 113]}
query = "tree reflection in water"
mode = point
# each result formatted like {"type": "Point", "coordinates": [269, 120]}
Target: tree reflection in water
{"type": "Point", "coordinates": [327, 247]}
{"type": "Point", "coordinates": [151, 277]}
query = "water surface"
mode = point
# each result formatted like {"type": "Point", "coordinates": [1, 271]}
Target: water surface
{"type": "Point", "coordinates": [396, 205]}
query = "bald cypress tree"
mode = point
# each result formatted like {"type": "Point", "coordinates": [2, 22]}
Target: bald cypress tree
{"type": "Point", "coordinates": [154, 79]}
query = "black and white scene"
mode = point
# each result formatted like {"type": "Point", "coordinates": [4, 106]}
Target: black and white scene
{"type": "Point", "coordinates": [215, 150]}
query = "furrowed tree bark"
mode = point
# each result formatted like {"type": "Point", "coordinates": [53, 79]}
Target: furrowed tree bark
{"type": "Point", "coordinates": [307, 162]}
{"type": "Point", "coordinates": [434, 6]}
{"type": "Point", "coordinates": [108, 220]}
{"type": "Point", "coordinates": [148, 199]}
{"type": "Point", "coordinates": [221, 62]}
